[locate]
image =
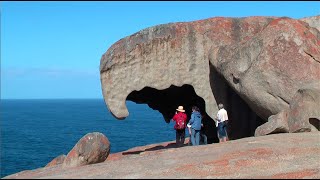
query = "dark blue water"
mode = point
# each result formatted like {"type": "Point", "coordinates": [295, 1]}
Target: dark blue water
{"type": "Point", "coordinates": [33, 132]}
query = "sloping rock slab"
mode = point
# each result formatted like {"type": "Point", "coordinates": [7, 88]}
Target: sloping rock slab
{"type": "Point", "coordinates": [57, 161]}
{"type": "Point", "coordinates": [287, 155]}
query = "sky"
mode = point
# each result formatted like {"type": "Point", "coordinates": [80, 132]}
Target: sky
{"type": "Point", "coordinates": [52, 50]}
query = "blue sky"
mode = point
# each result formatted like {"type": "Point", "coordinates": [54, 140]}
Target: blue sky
{"type": "Point", "coordinates": [53, 49]}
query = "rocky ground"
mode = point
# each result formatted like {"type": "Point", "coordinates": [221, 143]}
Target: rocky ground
{"type": "Point", "coordinates": [287, 155]}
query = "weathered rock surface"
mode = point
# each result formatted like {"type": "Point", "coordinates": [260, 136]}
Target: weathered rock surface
{"type": "Point", "coordinates": [92, 148]}
{"type": "Point", "coordinates": [276, 124]}
{"type": "Point", "coordinates": [304, 110]}
{"type": "Point", "coordinates": [253, 65]}
{"type": "Point", "coordinates": [56, 161]}
{"type": "Point", "coordinates": [284, 156]}
{"type": "Point", "coordinates": [313, 21]}
{"type": "Point", "coordinates": [302, 115]}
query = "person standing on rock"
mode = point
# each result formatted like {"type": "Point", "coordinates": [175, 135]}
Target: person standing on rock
{"type": "Point", "coordinates": [195, 123]}
{"type": "Point", "coordinates": [222, 118]}
{"type": "Point", "coordinates": [181, 120]}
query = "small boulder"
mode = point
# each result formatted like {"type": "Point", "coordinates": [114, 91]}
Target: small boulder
{"type": "Point", "coordinates": [90, 149]}
{"type": "Point", "coordinates": [56, 161]}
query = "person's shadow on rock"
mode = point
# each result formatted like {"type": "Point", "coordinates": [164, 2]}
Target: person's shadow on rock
{"type": "Point", "coordinates": [155, 148]}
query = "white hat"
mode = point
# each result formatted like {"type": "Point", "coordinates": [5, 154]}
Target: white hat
{"type": "Point", "coordinates": [180, 108]}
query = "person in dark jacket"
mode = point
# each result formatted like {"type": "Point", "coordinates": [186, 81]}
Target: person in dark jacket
{"type": "Point", "coordinates": [180, 133]}
{"type": "Point", "coordinates": [195, 123]}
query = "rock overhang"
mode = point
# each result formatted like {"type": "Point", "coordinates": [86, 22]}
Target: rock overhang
{"type": "Point", "coordinates": [174, 52]}
{"type": "Point", "coordinates": [193, 54]}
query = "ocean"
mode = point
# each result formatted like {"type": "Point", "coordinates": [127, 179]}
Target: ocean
{"type": "Point", "coordinates": [33, 132]}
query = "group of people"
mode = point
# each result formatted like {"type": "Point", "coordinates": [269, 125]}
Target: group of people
{"type": "Point", "coordinates": [195, 125]}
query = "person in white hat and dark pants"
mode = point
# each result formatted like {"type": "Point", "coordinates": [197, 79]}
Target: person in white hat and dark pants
{"type": "Point", "coordinates": [181, 120]}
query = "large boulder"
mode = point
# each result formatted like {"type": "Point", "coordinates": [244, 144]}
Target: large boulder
{"type": "Point", "coordinates": [253, 65]}
{"type": "Point", "coordinates": [172, 54]}
{"type": "Point", "coordinates": [92, 148]}
{"type": "Point", "coordinates": [267, 69]}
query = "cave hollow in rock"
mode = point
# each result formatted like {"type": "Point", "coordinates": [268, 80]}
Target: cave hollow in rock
{"type": "Point", "coordinates": [242, 120]}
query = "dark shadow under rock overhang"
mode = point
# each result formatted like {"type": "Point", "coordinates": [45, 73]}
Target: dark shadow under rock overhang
{"type": "Point", "coordinates": [242, 120]}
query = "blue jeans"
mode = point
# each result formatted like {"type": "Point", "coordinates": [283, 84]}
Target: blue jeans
{"type": "Point", "coordinates": [195, 137]}
{"type": "Point", "coordinates": [222, 130]}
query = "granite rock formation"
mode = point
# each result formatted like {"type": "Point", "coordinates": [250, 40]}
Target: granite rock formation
{"type": "Point", "coordinates": [313, 21]}
{"type": "Point", "coordinates": [276, 124]}
{"type": "Point", "coordinates": [253, 65]}
{"type": "Point", "coordinates": [276, 156]}
{"type": "Point", "coordinates": [304, 114]}
{"type": "Point", "coordinates": [90, 149]}
{"type": "Point", "coordinates": [56, 161]}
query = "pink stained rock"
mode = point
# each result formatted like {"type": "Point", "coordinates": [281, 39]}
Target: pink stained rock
{"type": "Point", "coordinates": [265, 61]}
{"type": "Point", "coordinates": [56, 161]}
{"type": "Point", "coordinates": [90, 149]}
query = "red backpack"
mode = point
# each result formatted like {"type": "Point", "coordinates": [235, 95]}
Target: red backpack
{"type": "Point", "coordinates": [180, 123]}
